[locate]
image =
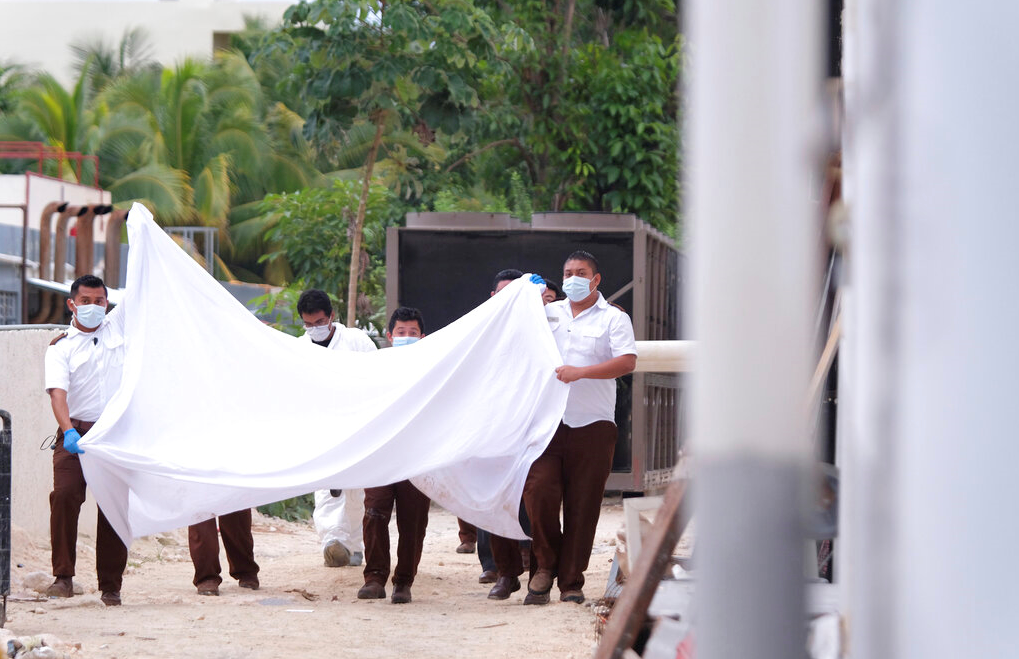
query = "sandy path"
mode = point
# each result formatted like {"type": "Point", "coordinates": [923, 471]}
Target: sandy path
{"type": "Point", "coordinates": [163, 617]}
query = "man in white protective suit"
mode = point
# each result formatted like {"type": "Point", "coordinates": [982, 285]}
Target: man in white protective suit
{"type": "Point", "coordinates": [337, 515]}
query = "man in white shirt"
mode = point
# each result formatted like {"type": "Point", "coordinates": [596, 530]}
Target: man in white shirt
{"type": "Point", "coordinates": [337, 518]}
{"type": "Point", "coordinates": [406, 327]}
{"type": "Point", "coordinates": [83, 370]}
{"type": "Point", "coordinates": [596, 341]}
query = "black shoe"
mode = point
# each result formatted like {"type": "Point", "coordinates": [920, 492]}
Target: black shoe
{"type": "Point", "coordinates": [401, 595]}
{"type": "Point", "coordinates": [503, 588]}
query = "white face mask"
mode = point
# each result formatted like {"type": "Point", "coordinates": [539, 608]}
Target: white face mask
{"type": "Point", "coordinates": [89, 316]}
{"type": "Point", "coordinates": [577, 288]}
{"type": "Point", "coordinates": [319, 333]}
{"type": "Point", "coordinates": [404, 340]}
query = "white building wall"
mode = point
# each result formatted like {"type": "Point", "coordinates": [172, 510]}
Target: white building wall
{"type": "Point", "coordinates": [38, 32]}
{"type": "Point", "coordinates": [22, 394]}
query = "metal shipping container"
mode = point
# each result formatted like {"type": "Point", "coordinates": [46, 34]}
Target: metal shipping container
{"type": "Point", "coordinates": [444, 263]}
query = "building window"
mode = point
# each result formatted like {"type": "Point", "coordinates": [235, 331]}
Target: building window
{"type": "Point", "coordinates": [221, 40]}
{"type": "Point", "coordinates": [8, 308]}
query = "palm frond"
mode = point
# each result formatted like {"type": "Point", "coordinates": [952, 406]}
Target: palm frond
{"type": "Point", "coordinates": [161, 188]}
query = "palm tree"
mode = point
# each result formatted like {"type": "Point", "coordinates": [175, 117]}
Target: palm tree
{"type": "Point", "coordinates": [44, 111]}
{"type": "Point", "coordinates": [192, 142]}
{"type": "Point", "coordinates": [103, 63]}
{"type": "Point", "coordinates": [12, 77]}
{"type": "Point", "coordinates": [208, 121]}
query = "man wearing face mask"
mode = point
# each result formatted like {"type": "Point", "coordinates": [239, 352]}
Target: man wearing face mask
{"type": "Point", "coordinates": [406, 326]}
{"type": "Point", "coordinates": [337, 513]}
{"type": "Point", "coordinates": [83, 370]}
{"type": "Point", "coordinates": [597, 345]}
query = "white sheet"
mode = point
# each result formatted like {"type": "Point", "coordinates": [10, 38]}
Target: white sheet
{"type": "Point", "coordinates": [218, 412]}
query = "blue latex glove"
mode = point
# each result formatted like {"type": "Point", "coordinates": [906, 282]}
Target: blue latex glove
{"type": "Point", "coordinates": [538, 279]}
{"type": "Point", "coordinates": [71, 438]}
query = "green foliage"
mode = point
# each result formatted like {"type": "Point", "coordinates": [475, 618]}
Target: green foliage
{"type": "Point", "coordinates": [453, 200]}
{"type": "Point", "coordinates": [311, 228]}
{"type": "Point", "coordinates": [293, 510]}
{"type": "Point", "coordinates": [587, 109]}
{"type": "Point", "coordinates": [12, 77]}
{"type": "Point", "coordinates": [520, 198]}
{"type": "Point", "coordinates": [192, 142]}
{"type": "Point", "coordinates": [101, 62]}
{"type": "Point", "coordinates": [626, 131]}
{"type": "Point", "coordinates": [382, 62]}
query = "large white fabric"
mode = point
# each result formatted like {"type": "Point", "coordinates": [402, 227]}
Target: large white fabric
{"type": "Point", "coordinates": [211, 400]}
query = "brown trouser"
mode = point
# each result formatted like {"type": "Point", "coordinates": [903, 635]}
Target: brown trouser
{"type": "Point", "coordinates": [571, 474]}
{"type": "Point", "coordinates": [65, 505]}
{"type": "Point", "coordinates": [411, 521]}
{"type": "Point", "coordinates": [468, 532]}
{"type": "Point", "coordinates": [509, 556]}
{"type": "Point", "coordinates": [240, 547]}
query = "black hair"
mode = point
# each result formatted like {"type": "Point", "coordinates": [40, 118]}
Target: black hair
{"type": "Point", "coordinates": [555, 288]}
{"type": "Point", "coordinates": [313, 300]}
{"type": "Point", "coordinates": [509, 274]}
{"type": "Point", "coordinates": [581, 255]}
{"type": "Point", "coordinates": [88, 281]}
{"type": "Point", "coordinates": [405, 314]}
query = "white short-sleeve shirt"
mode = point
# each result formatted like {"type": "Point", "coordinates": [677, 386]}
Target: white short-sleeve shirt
{"type": "Point", "coordinates": [597, 334]}
{"type": "Point", "coordinates": [88, 366]}
{"type": "Point", "coordinates": [347, 338]}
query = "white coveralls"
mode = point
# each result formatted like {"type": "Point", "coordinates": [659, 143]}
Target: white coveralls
{"type": "Point", "coordinates": [339, 518]}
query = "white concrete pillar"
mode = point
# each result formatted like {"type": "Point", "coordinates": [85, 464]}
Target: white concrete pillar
{"type": "Point", "coordinates": [932, 495]}
{"type": "Point", "coordinates": [756, 84]}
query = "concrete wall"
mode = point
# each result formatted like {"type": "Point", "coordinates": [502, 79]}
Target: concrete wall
{"type": "Point", "coordinates": [37, 32]}
{"type": "Point", "coordinates": [21, 393]}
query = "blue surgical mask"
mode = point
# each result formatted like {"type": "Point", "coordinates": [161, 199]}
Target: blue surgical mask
{"type": "Point", "coordinates": [404, 340]}
{"type": "Point", "coordinates": [89, 316]}
{"type": "Point", "coordinates": [577, 288]}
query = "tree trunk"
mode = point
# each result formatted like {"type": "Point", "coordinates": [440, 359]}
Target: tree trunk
{"type": "Point", "coordinates": [355, 248]}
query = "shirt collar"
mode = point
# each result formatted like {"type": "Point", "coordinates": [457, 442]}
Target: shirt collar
{"type": "Point", "coordinates": [72, 329]}
{"type": "Point", "coordinates": [600, 303]}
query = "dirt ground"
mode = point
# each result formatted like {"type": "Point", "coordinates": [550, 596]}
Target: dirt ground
{"type": "Point", "coordinates": [303, 609]}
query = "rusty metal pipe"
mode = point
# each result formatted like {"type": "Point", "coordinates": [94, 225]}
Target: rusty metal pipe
{"type": "Point", "coordinates": [111, 272]}
{"type": "Point", "coordinates": [46, 298]}
{"type": "Point", "coordinates": [60, 254]}
{"type": "Point", "coordinates": [84, 242]}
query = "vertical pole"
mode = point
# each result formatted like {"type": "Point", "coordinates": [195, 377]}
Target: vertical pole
{"type": "Point", "coordinates": [934, 245]}
{"type": "Point", "coordinates": [756, 85]}
{"type": "Point", "coordinates": [869, 369]}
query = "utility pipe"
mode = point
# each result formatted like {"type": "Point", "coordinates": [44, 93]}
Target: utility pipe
{"type": "Point", "coordinates": [60, 253]}
{"type": "Point", "coordinates": [46, 298]}
{"type": "Point", "coordinates": [664, 356]}
{"type": "Point", "coordinates": [84, 244]}
{"type": "Point", "coordinates": [111, 269]}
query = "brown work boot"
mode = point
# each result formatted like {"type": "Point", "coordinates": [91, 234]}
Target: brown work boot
{"type": "Point", "coordinates": [538, 587]}
{"type": "Point", "coordinates": [488, 577]}
{"type": "Point", "coordinates": [541, 582]}
{"type": "Point", "coordinates": [208, 587]}
{"type": "Point", "coordinates": [61, 587]}
{"type": "Point", "coordinates": [111, 598]}
{"type": "Point", "coordinates": [371, 590]}
{"type": "Point", "coordinates": [251, 583]}
{"type": "Point", "coordinates": [503, 588]}
{"type": "Point", "coordinates": [401, 594]}
{"type": "Point", "coordinates": [466, 548]}
{"type": "Point", "coordinates": [575, 596]}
